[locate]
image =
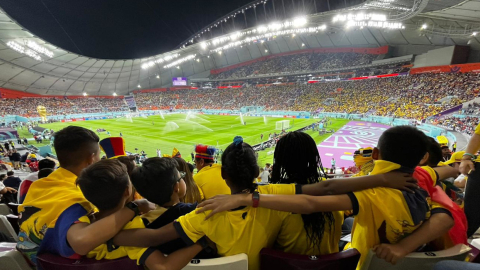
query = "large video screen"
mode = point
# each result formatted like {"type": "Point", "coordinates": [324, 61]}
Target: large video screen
{"type": "Point", "coordinates": [179, 81]}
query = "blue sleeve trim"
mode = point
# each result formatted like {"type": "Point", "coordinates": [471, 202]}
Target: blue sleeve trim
{"type": "Point", "coordinates": [183, 235]}
{"type": "Point", "coordinates": [441, 210]}
{"type": "Point", "coordinates": [356, 206]}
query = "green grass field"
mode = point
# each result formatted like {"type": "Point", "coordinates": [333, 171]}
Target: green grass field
{"type": "Point", "coordinates": [182, 132]}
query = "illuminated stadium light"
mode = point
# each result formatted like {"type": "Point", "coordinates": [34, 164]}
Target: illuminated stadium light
{"type": "Point", "coordinates": [114, 94]}
{"type": "Point", "coordinates": [139, 86]}
{"type": "Point", "coordinates": [34, 46]}
{"type": "Point", "coordinates": [474, 34]}
{"type": "Point", "coordinates": [179, 61]}
{"type": "Point", "coordinates": [159, 61]}
{"type": "Point", "coordinates": [388, 25]}
{"type": "Point", "coordinates": [424, 26]}
{"type": "Point", "coordinates": [322, 27]}
{"type": "Point", "coordinates": [360, 17]}
{"type": "Point", "coordinates": [266, 50]}
{"type": "Point", "coordinates": [303, 44]}
{"type": "Point", "coordinates": [158, 76]}
{"type": "Point", "coordinates": [19, 48]}
{"type": "Point", "coordinates": [299, 22]}
{"type": "Point", "coordinates": [85, 94]}
{"type": "Point", "coordinates": [204, 45]}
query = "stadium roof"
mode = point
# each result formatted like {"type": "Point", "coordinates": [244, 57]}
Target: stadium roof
{"type": "Point", "coordinates": [30, 64]}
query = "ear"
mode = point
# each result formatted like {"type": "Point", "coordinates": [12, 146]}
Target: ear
{"type": "Point", "coordinates": [424, 159]}
{"type": "Point", "coordinates": [376, 154]}
{"type": "Point", "coordinates": [176, 187]}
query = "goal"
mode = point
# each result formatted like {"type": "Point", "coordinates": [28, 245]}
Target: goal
{"type": "Point", "coordinates": [282, 125]}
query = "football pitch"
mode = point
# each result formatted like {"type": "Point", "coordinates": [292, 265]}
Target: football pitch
{"type": "Point", "coordinates": [185, 131]}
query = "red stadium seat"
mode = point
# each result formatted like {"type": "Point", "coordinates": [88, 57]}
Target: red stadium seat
{"type": "Point", "coordinates": [55, 262]}
{"type": "Point", "coordinates": [271, 259]}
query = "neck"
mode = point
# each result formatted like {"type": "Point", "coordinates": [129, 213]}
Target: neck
{"type": "Point", "coordinates": [171, 203]}
{"type": "Point", "coordinates": [106, 213]}
{"type": "Point", "coordinates": [75, 170]}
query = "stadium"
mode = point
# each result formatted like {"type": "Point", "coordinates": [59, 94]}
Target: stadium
{"type": "Point", "coordinates": [120, 120]}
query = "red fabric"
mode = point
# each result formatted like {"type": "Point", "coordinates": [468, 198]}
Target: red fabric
{"type": "Point", "coordinates": [458, 233]}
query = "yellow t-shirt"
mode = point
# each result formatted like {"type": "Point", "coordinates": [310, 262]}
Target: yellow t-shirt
{"type": "Point", "coordinates": [210, 182]}
{"type": "Point", "coordinates": [385, 215]}
{"type": "Point", "coordinates": [293, 236]}
{"type": "Point", "coordinates": [134, 253]}
{"type": "Point", "coordinates": [477, 130]}
{"type": "Point", "coordinates": [246, 230]}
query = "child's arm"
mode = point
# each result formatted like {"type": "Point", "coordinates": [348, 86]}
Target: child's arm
{"type": "Point", "coordinates": [396, 180]}
{"type": "Point", "coordinates": [445, 172]}
{"type": "Point", "coordinates": [177, 260]}
{"type": "Point", "coordinates": [83, 237]}
{"type": "Point", "coordinates": [300, 204]}
{"type": "Point", "coordinates": [146, 237]}
{"type": "Point", "coordinates": [435, 227]}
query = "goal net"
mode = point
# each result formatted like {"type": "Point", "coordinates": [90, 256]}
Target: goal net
{"type": "Point", "coordinates": [281, 125]}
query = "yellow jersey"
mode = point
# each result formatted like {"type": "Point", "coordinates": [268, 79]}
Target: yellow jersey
{"type": "Point", "coordinates": [51, 206]}
{"type": "Point", "coordinates": [134, 253]}
{"type": "Point", "coordinates": [210, 182]}
{"type": "Point", "coordinates": [293, 237]}
{"type": "Point", "coordinates": [245, 230]}
{"type": "Point", "coordinates": [385, 215]}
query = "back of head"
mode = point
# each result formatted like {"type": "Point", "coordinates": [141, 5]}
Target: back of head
{"type": "Point", "coordinates": [240, 164]}
{"type": "Point", "coordinates": [44, 172]}
{"type": "Point", "coordinates": [129, 162]}
{"type": "Point", "coordinates": [296, 160]}
{"type": "Point", "coordinates": [155, 179]}
{"type": "Point", "coordinates": [404, 145]}
{"type": "Point", "coordinates": [10, 173]}
{"type": "Point", "coordinates": [46, 164]}
{"type": "Point", "coordinates": [104, 183]}
{"type": "Point", "coordinates": [75, 144]}
{"type": "Point", "coordinates": [434, 152]}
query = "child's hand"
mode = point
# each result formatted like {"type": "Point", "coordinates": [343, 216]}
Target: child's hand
{"type": "Point", "coordinates": [390, 253]}
{"type": "Point", "coordinates": [399, 180]}
{"type": "Point", "coordinates": [145, 206]}
{"type": "Point", "coordinates": [222, 203]}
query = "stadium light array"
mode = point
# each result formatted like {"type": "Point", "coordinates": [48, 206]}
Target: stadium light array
{"type": "Point", "coordinates": [160, 60]}
{"type": "Point", "coordinates": [362, 19]}
{"type": "Point", "coordinates": [158, 76]}
{"type": "Point", "coordinates": [34, 46]}
{"type": "Point", "coordinates": [139, 86]}
{"type": "Point", "coordinates": [85, 94]}
{"type": "Point", "coordinates": [474, 34]}
{"type": "Point", "coordinates": [424, 26]}
{"type": "Point", "coordinates": [262, 29]}
{"type": "Point", "coordinates": [19, 48]}
{"type": "Point", "coordinates": [114, 94]}
{"type": "Point", "coordinates": [179, 61]}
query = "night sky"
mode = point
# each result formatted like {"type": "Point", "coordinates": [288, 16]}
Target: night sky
{"type": "Point", "coordinates": [117, 29]}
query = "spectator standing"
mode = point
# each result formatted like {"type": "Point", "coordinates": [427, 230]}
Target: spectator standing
{"type": "Point", "coordinates": [16, 158]}
{"type": "Point", "coordinates": [333, 164]}
{"type": "Point", "coordinates": [7, 146]}
{"type": "Point", "coordinates": [12, 181]}
{"type": "Point", "coordinates": [24, 157]}
{"type": "Point", "coordinates": [32, 177]}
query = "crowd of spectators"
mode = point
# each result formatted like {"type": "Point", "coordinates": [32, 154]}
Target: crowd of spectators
{"type": "Point", "coordinates": [27, 107]}
{"type": "Point", "coordinates": [297, 63]}
{"type": "Point", "coordinates": [463, 125]}
{"type": "Point", "coordinates": [414, 96]}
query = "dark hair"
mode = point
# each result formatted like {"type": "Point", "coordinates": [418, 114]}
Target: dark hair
{"type": "Point", "coordinates": [403, 145]}
{"type": "Point", "coordinates": [44, 172]}
{"type": "Point", "coordinates": [434, 152]}
{"type": "Point", "coordinates": [73, 144]}
{"type": "Point", "coordinates": [2, 176]}
{"type": "Point", "coordinates": [297, 161]}
{"type": "Point", "coordinates": [240, 164]}
{"type": "Point", "coordinates": [191, 167]}
{"type": "Point", "coordinates": [193, 194]}
{"type": "Point", "coordinates": [46, 164]}
{"type": "Point", "coordinates": [155, 179]}
{"type": "Point", "coordinates": [10, 173]}
{"type": "Point", "coordinates": [129, 162]}
{"type": "Point", "coordinates": [104, 183]}
{"type": "Point", "coordinates": [207, 161]}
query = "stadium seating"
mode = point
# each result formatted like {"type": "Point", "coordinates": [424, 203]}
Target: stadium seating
{"type": "Point", "coordinates": [417, 260]}
{"type": "Point", "coordinates": [55, 262]}
{"type": "Point", "coordinates": [235, 262]}
{"type": "Point", "coordinates": [296, 63]}
{"type": "Point", "coordinates": [271, 259]}
{"type": "Point", "coordinates": [4, 210]}
{"type": "Point", "coordinates": [7, 229]}
{"type": "Point", "coordinates": [13, 260]}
